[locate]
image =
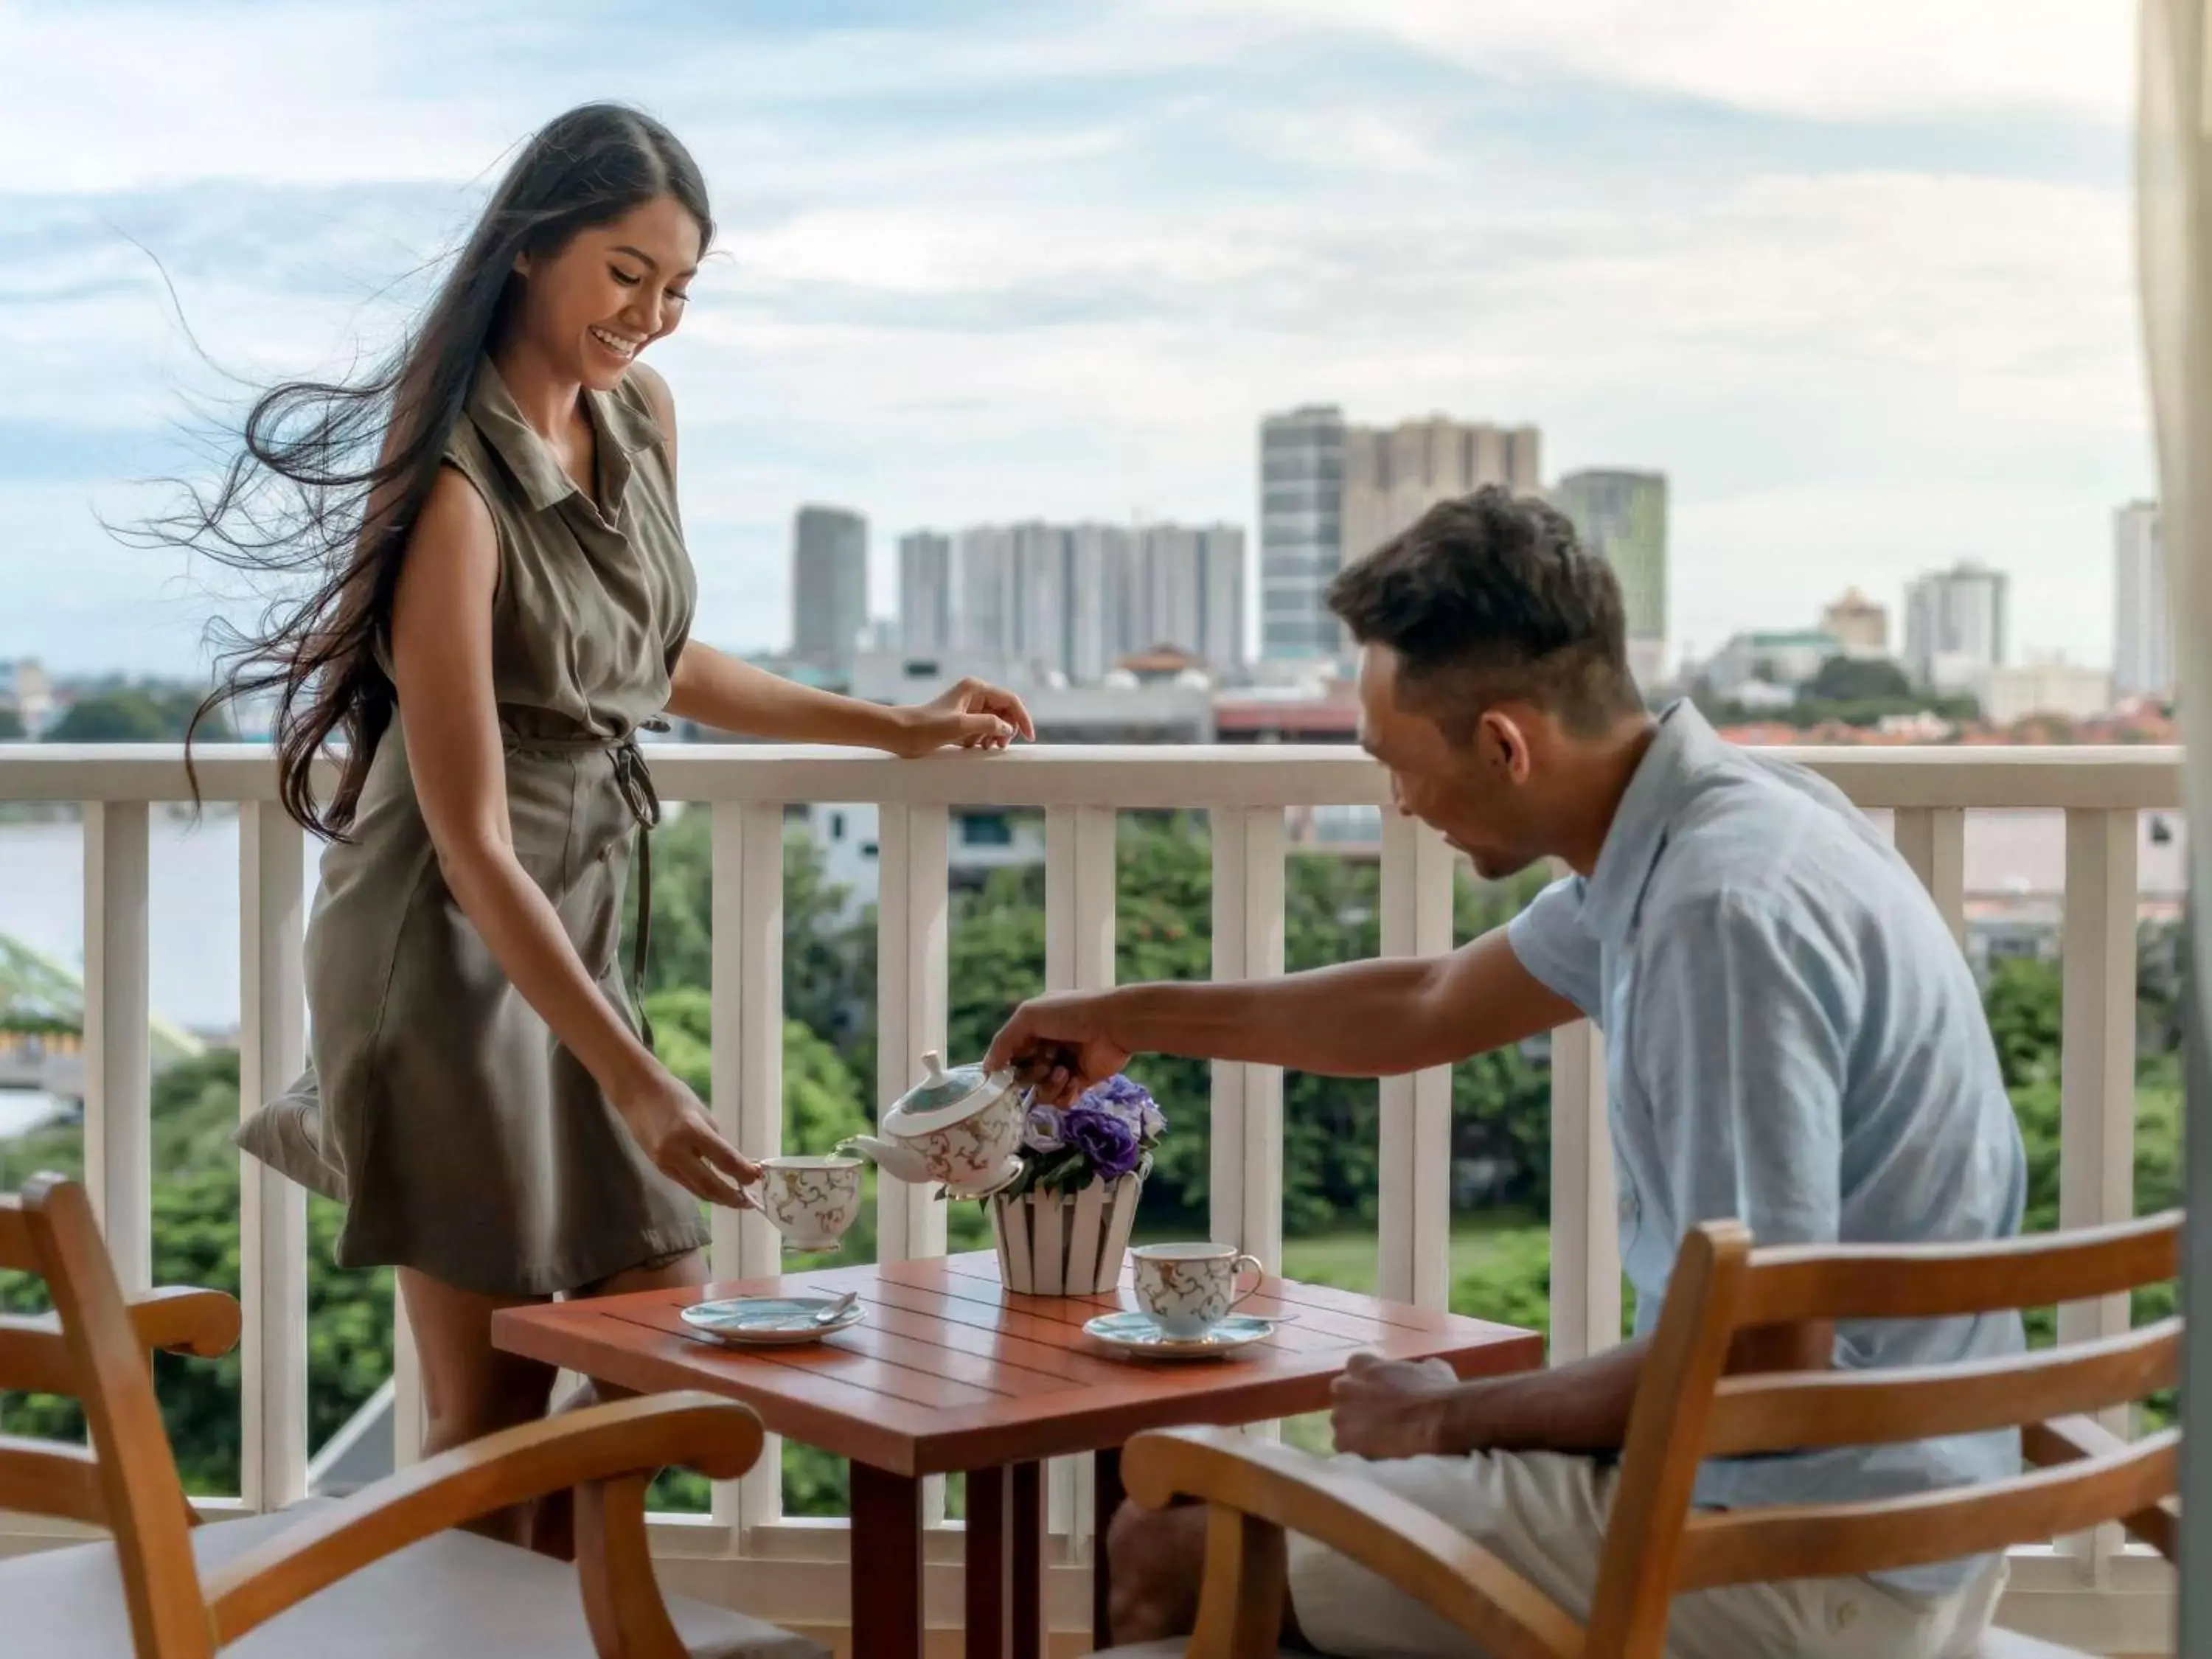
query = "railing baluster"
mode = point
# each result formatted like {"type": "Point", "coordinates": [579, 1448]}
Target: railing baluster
{"type": "Point", "coordinates": [1078, 956]}
{"type": "Point", "coordinates": [1585, 1228]}
{"type": "Point", "coordinates": [1415, 1178]}
{"type": "Point", "coordinates": [1933, 840]}
{"type": "Point", "coordinates": [272, 1218]}
{"type": "Point", "coordinates": [746, 972]}
{"type": "Point", "coordinates": [1246, 1185]}
{"type": "Point", "coordinates": [911, 919]}
{"type": "Point", "coordinates": [2097, 1070]}
{"type": "Point", "coordinates": [119, 1078]}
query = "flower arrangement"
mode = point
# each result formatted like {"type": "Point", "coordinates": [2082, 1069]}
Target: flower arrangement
{"type": "Point", "coordinates": [1108, 1134]}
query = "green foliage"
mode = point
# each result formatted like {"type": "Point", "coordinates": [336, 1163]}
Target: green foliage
{"type": "Point", "coordinates": [11, 722]}
{"type": "Point", "coordinates": [136, 714]}
{"type": "Point", "coordinates": [1809, 712]}
{"type": "Point", "coordinates": [195, 1201]}
{"type": "Point", "coordinates": [1855, 679]}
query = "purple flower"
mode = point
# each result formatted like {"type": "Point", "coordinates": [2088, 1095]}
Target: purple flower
{"type": "Point", "coordinates": [1129, 1101]}
{"type": "Point", "coordinates": [1040, 1131]}
{"type": "Point", "coordinates": [1106, 1138]}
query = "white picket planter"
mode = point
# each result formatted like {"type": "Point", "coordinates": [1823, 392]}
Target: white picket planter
{"type": "Point", "coordinates": [1071, 1245]}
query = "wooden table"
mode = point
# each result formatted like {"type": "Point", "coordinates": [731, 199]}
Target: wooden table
{"type": "Point", "coordinates": [950, 1372]}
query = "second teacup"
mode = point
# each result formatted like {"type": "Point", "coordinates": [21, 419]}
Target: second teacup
{"type": "Point", "coordinates": [811, 1200]}
{"type": "Point", "coordinates": [1190, 1288]}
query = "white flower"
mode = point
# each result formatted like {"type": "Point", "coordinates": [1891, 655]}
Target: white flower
{"type": "Point", "coordinates": [1040, 1131]}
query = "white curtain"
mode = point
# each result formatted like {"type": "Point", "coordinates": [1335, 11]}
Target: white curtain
{"type": "Point", "coordinates": [2174, 245]}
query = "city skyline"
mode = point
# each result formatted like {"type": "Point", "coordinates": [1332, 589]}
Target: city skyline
{"type": "Point", "coordinates": [1074, 600]}
{"type": "Point", "coordinates": [1864, 294]}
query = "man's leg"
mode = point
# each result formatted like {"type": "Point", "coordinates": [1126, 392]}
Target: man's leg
{"type": "Point", "coordinates": [1159, 1563]}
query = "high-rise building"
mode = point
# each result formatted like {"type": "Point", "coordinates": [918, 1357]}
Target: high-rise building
{"type": "Point", "coordinates": [1621, 517]}
{"type": "Point", "coordinates": [1300, 530]}
{"type": "Point", "coordinates": [1860, 625]}
{"type": "Point", "coordinates": [829, 587]}
{"type": "Point", "coordinates": [1954, 625]}
{"type": "Point", "coordinates": [1079, 598]}
{"type": "Point", "coordinates": [2142, 614]}
{"type": "Point", "coordinates": [1392, 475]}
{"type": "Point", "coordinates": [1330, 493]}
{"type": "Point", "coordinates": [924, 618]}
{"type": "Point", "coordinates": [986, 610]}
{"type": "Point", "coordinates": [1189, 592]}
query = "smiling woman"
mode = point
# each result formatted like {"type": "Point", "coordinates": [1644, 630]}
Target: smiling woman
{"type": "Point", "coordinates": [499, 600]}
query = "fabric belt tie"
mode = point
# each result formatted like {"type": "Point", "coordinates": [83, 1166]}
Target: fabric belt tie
{"type": "Point", "coordinates": [634, 779]}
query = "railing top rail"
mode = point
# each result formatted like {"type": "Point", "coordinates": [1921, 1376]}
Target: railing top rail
{"type": "Point", "coordinates": [2120, 777]}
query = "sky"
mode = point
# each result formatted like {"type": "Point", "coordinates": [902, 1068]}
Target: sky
{"type": "Point", "coordinates": [1858, 279]}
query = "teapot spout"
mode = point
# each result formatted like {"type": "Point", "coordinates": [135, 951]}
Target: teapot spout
{"type": "Point", "coordinates": [901, 1163]}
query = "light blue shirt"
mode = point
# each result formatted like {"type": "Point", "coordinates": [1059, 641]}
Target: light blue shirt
{"type": "Point", "coordinates": [1794, 1039]}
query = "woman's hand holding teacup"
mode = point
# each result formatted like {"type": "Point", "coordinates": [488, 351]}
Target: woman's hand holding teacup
{"type": "Point", "coordinates": [673, 1129]}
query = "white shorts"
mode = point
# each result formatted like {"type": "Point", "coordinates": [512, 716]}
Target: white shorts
{"type": "Point", "coordinates": [1543, 1514]}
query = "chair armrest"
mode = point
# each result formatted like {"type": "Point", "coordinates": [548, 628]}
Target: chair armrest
{"type": "Point", "coordinates": [2070, 1439]}
{"type": "Point", "coordinates": [179, 1319]}
{"type": "Point", "coordinates": [1392, 1537]}
{"type": "Point", "coordinates": [629, 1438]}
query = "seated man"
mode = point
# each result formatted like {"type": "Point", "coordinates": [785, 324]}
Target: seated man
{"type": "Point", "coordinates": [1793, 1038]}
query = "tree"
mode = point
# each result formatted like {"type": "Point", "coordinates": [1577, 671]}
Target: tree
{"type": "Point", "coordinates": [1855, 679]}
{"type": "Point", "coordinates": [137, 714]}
{"type": "Point", "coordinates": [11, 722]}
{"type": "Point", "coordinates": [829, 963]}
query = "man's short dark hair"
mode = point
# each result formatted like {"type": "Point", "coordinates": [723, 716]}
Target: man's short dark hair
{"type": "Point", "coordinates": [1490, 599]}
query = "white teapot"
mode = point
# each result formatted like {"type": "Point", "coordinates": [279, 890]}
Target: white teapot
{"type": "Point", "coordinates": [960, 1126]}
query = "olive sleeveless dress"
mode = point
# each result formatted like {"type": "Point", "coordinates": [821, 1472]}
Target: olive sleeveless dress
{"type": "Point", "coordinates": [466, 1142]}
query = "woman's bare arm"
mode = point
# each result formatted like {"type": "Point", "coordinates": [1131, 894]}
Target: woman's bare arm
{"type": "Point", "coordinates": [441, 666]}
{"type": "Point", "coordinates": [725, 692]}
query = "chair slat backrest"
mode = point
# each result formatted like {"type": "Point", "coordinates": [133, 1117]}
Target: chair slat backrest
{"type": "Point", "coordinates": [16, 1253]}
{"type": "Point", "coordinates": [1687, 1410]}
{"type": "Point", "coordinates": [1799, 1410]}
{"type": "Point", "coordinates": [128, 1480]}
{"type": "Point", "coordinates": [1792, 1283]}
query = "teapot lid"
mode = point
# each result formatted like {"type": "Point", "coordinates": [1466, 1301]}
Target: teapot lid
{"type": "Point", "coordinates": [944, 1096]}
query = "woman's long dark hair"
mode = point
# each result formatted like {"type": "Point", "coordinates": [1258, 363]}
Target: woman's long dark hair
{"type": "Point", "coordinates": [332, 475]}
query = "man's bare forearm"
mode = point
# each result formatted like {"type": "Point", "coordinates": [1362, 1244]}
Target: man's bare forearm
{"type": "Point", "coordinates": [1581, 1407]}
{"type": "Point", "coordinates": [1304, 1021]}
{"type": "Point", "coordinates": [1584, 1405]}
{"type": "Point", "coordinates": [1378, 1019]}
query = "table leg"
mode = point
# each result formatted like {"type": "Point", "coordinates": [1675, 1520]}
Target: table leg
{"type": "Point", "coordinates": [1106, 1498]}
{"type": "Point", "coordinates": [989, 1564]}
{"type": "Point", "coordinates": [1005, 1571]}
{"type": "Point", "coordinates": [1026, 1524]}
{"type": "Point", "coordinates": [886, 1565]}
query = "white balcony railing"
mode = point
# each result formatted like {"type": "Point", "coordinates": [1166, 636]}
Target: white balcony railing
{"type": "Point", "coordinates": [2095, 1594]}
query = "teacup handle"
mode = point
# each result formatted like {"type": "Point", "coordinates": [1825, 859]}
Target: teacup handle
{"type": "Point", "coordinates": [1259, 1274]}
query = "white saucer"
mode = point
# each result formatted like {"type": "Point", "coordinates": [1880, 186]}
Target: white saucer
{"type": "Point", "coordinates": [768, 1321]}
{"type": "Point", "coordinates": [1138, 1336]}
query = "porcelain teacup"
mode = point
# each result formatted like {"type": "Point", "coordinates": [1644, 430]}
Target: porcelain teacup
{"type": "Point", "coordinates": [811, 1200]}
{"type": "Point", "coordinates": [1190, 1288]}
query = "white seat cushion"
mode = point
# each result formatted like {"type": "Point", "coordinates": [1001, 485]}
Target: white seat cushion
{"type": "Point", "coordinates": [454, 1597]}
{"type": "Point", "coordinates": [2011, 1644]}
{"type": "Point", "coordinates": [1996, 1645]}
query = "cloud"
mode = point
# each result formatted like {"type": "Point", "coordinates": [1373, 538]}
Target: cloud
{"type": "Point", "coordinates": [1058, 260]}
{"type": "Point", "coordinates": [1885, 59]}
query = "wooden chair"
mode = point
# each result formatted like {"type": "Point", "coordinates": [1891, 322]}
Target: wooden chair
{"type": "Point", "coordinates": [376, 1573]}
{"type": "Point", "coordinates": [1686, 1409]}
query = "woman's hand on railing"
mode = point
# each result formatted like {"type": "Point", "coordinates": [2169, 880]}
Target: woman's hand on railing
{"type": "Point", "coordinates": [667, 1121]}
{"type": "Point", "coordinates": [973, 715]}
